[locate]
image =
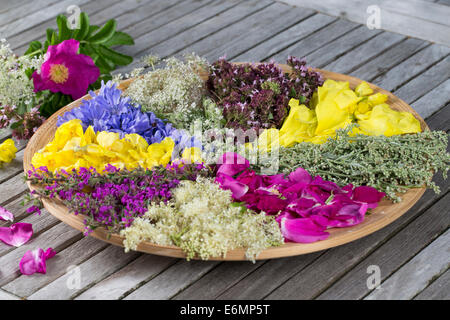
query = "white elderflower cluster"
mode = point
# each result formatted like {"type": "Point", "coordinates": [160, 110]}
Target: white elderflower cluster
{"type": "Point", "coordinates": [203, 221]}
{"type": "Point", "coordinates": [15, 86]}
{"type": "Point", "coordinates": [176, 92]}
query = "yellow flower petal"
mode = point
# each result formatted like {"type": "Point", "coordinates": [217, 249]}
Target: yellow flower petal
{"type": "Point", "coordinates": [363, 89]}
{"type": "Point", "coordinates": [7, 151]}
{"type": "Point", "coordinates": [377, 98]}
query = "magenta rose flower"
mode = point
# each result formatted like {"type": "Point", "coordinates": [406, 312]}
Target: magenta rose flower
{"type": "Point", "coordinates": [65, 70]}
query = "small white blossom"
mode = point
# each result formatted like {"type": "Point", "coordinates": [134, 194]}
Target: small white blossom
{"type": "Point", "coordinates": [202, 220]}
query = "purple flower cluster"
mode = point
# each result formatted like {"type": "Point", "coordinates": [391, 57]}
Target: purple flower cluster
{"type": "Point", "coordinates": [257, 96]}
{"type": "Point", "coordinates": [110, 111]}
{"type": "Point", "coordinates": [114, 198]}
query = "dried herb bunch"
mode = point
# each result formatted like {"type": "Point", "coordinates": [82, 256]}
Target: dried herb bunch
{"type": "Point", "coordinates": [390, 164]}
{"type": "Point", "coordinates": [257, 96]}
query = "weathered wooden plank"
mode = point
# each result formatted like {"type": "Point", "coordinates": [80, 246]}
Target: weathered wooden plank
{"type": "Point", "coordinates": [120, 283]}
{"type": "Point", "coordinates": [338, 47]}
{"type": "Point", "coordinates": [36, 17]}
{"type": "Point", "coordinates": [110, 259]}
{"type": "Point", "coordinates": [421, 61]}
{"type": "Point", "coordinates": [365, 52]}
{"type": "Point", "coordinates": [172, 280]}
{"type": "Point", "coordinates": [268, 277]}
{"type": "Point", "coordinates": [316, 40]}
{"type": "Point", "coordinates": [390, 58]}
{"type": "Point", "coordinates": [218, 280]}
{"type": "Point", "coordinates": [19, 42]}
{"type": "Point", "coordinates": [7, 296]}
{"type": "Point", "coordinates": [394, 253]}
{"type": "Point", "coordinates": [414, 276]}
{"type": "Point", "coordinates": [442, 119]}
{"type": "Point", "coordinates": [16, 208]}
{"type": "Point", "coordinates": [58, 237]}
{"type": "Point", "coordinates": [175, 11]}
{"type": "Point", "coordinates": [438, 290]}
{"type": "Point", "coordinates": [126, 20]}
{"type": "Point", "coordinates": [200, 31]}
{"type": "Point", "coordinates": [423, 10]}
{"type": "Point", "coordinates": [14, 9]}
{"type": "Point", "coordinates": [248, 33]}
{"type": "Point", "coordinates": [14, 167]}
{"type": "Point", "coordinates": [7, 5]}
{"type": "Point", "coordinates": [286, 38]}
{"type": "Point", "coordinates": [223, 35]}
{"type": "Point", "coordinates": [193, 16]}
{"type": "Point", "coordinates": [426, 81]}
{"type": "Point", "coordinates": [391, 20]}
{"type": "Point", "coordinates": [433, 101]}
{"type": "Point", "coordinates": [5, 133]}
{"type": "Point", "coordinates": [12, 188]}
{"type": "Point", "coordinates": [73, 255]}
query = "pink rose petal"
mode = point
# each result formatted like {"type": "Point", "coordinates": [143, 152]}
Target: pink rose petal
{"type": "Point", "coordinates": [6, 215]}
{"type": "Point", "coordinates": [237, 188]}
{"type": "Point", "coordinates": [302, 230]}
{"type": "Point", "coordinates": [35, 261]}
{"type": "Point", "coordinates": [369, 195]}
{"type": "Point", "coordinates": [233, 163]}
{"type": "Point", "coordinates": [300, 175]}
{"type": "Point", "coordinates": [17, 234]}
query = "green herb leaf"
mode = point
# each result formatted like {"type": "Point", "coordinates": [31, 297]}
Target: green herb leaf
{"type": "Point", "coordinates": [105, 33]}
{"type": "Point", "coordinates": [64, 32]}
{"type": "Point", "coordinates": [118, 39]}
{"type": "Point", "coordinates": [83, 31]}
{"type": "Point", "coordinates": [114, 56]}
{"type": "Point", "coordinates": [34, 46]}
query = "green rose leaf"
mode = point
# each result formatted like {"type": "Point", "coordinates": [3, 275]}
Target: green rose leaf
{"type": "Point", "coordinates": [119, 38]}
{"type": "Point", "coordinates": [83, 31]}
{"type": "Point", "coordinates": [64, 32]}
{"type": "Point", "coordinates": [105, 33]}
{"type": "Point", "coordinates": [114, 56]}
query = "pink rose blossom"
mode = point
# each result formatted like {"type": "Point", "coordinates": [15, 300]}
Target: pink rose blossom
{"type": "Point", "coordinates": [65, 70]}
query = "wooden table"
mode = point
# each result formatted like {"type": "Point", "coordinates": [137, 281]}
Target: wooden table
{"type": "Point", "coordinates": [412, 254]}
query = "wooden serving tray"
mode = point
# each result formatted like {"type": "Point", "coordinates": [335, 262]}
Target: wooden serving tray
{"type": "Point", "coordinates": [380, 217]}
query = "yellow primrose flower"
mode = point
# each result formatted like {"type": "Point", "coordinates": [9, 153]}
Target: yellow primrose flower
{"type": "Point", "coordinates": [7, 151]}
{"type": "Point", "coordinates": [363, 89]}
{"type": "Point", "coordinates": [335, 106]}
{"type": "Point", "coordinates": [192, 155]}
{"type": "Point", "coordinates": [161, 153]}
{"type": "Point", "coordinates": [72, 148]}
{"type": "Point", "coordinates": [377, 98]}
{"type": "Point", "coordinates": [382, 120]}
{"type": "Point", "coordinates": [299, 125]}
